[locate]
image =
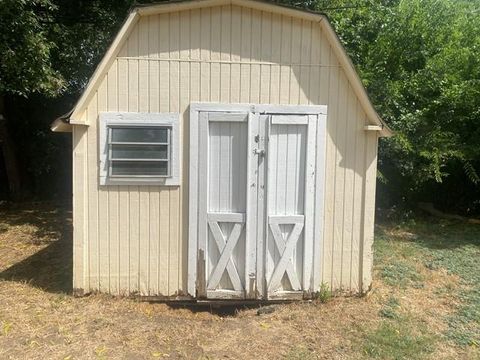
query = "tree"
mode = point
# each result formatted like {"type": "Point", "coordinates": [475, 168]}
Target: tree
{"type": "Point", "coordinates": [419, 61]}
{"type": "Point", "coordinates": [25, 67]}
{"type": "Point", "coordinates": [49, 50]}
{"type": "Point", "coordinates": [82, 30]}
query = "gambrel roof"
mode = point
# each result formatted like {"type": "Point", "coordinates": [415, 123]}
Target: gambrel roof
{"type": "Point", "coordinates": [375, 122]}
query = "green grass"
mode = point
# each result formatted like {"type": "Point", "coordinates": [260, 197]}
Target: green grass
{"type": "Point", "coordinates": [401, 274]}
{"type": "Point", "coordinates": [397, 340]}
{"type": "Point", "coordinates": [438, 244]}
{"type": "Point", "coordinates": [389, 310]}
{"type": "Point", "coordinates": [456, 247]}
{"type": "Point", "coordinates": [464, 325]}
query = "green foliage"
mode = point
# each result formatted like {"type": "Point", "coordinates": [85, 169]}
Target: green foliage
{"type": "Point", "coordinates": [471, 172]}
{"type": "Point", "coordinates": [50, 46]}
{"type": "Point", "coordinates": [49, 50]}
{"type": "Point", "coordinates": [25, 64]}
{"type": "Point", "coordinates": [430, 97]}
{"type": "Point", "coordinates": [419, 61]}
{"type": "Point", "coordinates": [324, 294]}
{"type": "Point", "coordinates": [82, 30]}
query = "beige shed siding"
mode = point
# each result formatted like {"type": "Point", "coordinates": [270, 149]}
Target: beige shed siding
{"type": "Point", "coordinates": [79, 196]}
{"type": "Point", "coordinates": [133, 239]}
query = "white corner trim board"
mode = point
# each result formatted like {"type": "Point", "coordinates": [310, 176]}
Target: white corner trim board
{"type": "Point", "coordinates": [132, 120]}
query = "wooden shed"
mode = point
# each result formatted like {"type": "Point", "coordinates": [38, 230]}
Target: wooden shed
{"type": "Point", "coordinates": [223, 149]}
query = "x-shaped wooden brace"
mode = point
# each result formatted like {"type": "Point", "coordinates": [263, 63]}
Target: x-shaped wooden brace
{"type": "Point", "coordinates": [285, 248]}
{"type": "Point", "coordinates": [225, 261]}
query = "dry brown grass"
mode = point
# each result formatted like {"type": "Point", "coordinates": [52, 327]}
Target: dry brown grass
{"type": "Point", "coordinates": [40, 319]}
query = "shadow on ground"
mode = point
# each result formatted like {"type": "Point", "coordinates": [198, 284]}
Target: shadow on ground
{"type": "Point", "coordinates": [50, 267]}
{"type": "Point", "coordinates": [227, 308]}
{"type": "Point", "coordinates": [433, 233]}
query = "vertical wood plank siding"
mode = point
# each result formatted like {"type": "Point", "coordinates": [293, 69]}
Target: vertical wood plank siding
{"type": "Point", "coordinates": [133, 239]}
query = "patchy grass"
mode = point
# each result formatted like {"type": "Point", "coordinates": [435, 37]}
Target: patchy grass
{"type": "Point", "coordinates": [401, 339]}
{"type": "Point", "coordinates": [424, 305]}
{"type": "Point", "coordinates": [457, 249]}
{"type": "Point", "coordinates": [450, 247]}
{"type": "Point", "coordinates": [389, 310]}
{"type": "Point", "coordinates": [443, 258]}
{"type": "Point", "coordinates": [402, 274]}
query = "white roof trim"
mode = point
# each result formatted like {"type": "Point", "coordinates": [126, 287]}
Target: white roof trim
{"type": "Point", "coordinates": [132, 19]}
{"type": "Point", "coordinates": [160, 8]}
{"type": "Point", "coordinates": [60, 126]}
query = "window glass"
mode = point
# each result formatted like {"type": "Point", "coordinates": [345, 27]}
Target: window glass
{"type": "Point", "coordinates": [140, 134]}
{"type": "Point", "coordinates": [139, 168]}
{"type": "Point", "coordinates": [140, 152]}
{"type": "Point", "coordinates": [132, 151]}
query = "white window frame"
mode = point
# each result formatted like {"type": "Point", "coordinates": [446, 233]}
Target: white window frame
{"type": "Point", "coordinates": [141, 120]}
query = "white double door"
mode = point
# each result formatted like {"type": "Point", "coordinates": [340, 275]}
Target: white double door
{"type": "Point", "coordinates": [256, 184]}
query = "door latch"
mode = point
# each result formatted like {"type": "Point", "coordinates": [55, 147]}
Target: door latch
{"type": "Point", "coordinates": [259, 152]}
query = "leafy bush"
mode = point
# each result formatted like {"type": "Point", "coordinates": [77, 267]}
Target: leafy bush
{"type": "Point", "coordinates": [419, 61]}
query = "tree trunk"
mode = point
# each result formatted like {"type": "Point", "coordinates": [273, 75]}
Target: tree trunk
{"type": "Point", "coordinates": [9, 156]}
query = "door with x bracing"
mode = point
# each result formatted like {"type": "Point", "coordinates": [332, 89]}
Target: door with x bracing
{"type": "Point", "coordinates": [256, 205]}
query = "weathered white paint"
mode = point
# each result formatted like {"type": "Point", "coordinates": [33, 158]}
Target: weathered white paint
{"type": "Point", "coordinates": [229, 164]}
{"type": "Point", "coordinates": [224, 180]}
{"type": "Point", "coordinates": [133, 239]}
{"type": "Point", "coordinates": [291, 190]}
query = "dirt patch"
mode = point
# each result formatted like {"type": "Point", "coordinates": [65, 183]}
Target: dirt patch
{"type": "Point", "coordinates": [41, 323]}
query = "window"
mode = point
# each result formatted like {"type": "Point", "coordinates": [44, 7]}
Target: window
{"type": "Point", "coordinates": [139, 151]}
{"type": "Point", "coordinates": [139, 148]}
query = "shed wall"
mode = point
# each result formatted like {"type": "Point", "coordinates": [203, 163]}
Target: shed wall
{"type": "Point", "coordinates": [133, 239]}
